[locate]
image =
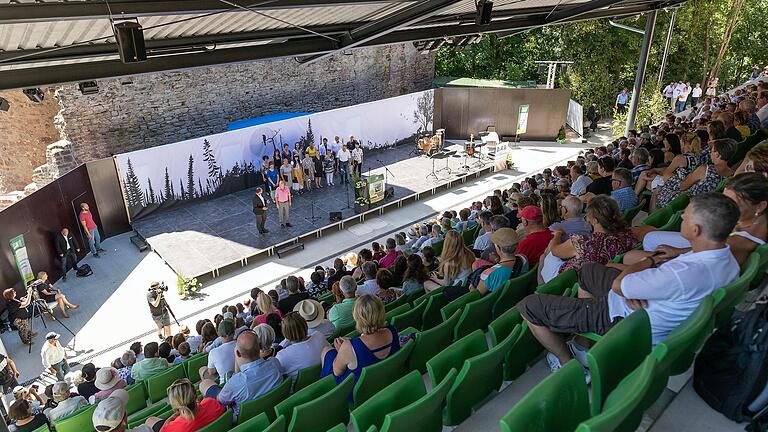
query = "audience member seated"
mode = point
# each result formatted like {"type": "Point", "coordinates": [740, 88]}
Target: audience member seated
{"type": "Point", "coordinates": [369, 286]}
{"type": "Point", "coordinates": [483, 240]}
{"type": "Point", "coordinates": [313, 313]}
{"type": "Point", "coordinates": [668, 179]}
{"type": "Point", "coordinates": [455, 263]}
{"type": "Point", "coordinates": [221, 360]}
{"type": "Point", "coordinates": [21, 412]}
{"type": "Point", "coordinates": [266, 338]}
{"type": "Point", "coordinates": [436, 236]}
{"type": "Point", "coordinates": [756, 160]}
{"type": "Point", "coordinates": [388, 290]}
{"type": "Point", "coordinates": [88, 388]}
{"type": "Point", "coordinates": [340, 271]}
{"type": "Point", "coordinates": [265, 308]}
{"type": "Point", "coordinates": [128, 359]}
{"type": "Point", "coordinates": [622, 189]}
{"type": "Point", "coordinates": [189, 415]}
{"type": "Point", "coordinates": [209, 336]}
{"type": "Point", "coordinates": [415, 276]}
{"type": "Point", "coordinates": [497, 222]}
{"type": "Point", "coordinates": [670, 290]}
{"type": "Point", "coordinates": [610, 237]}
{"type": "Point", "coordinates": [340, 315]}
{"type": "Point", "coordinates": [376, 342]}
{"type": "Point", "coordinates": [66, 403]}
{"type": "Point", "coordinates": [509, 265]}
{"type": "Point", "coordinates": [294, 295]}
{"type": "Point", "coordinates": [377, 252]}
{"type": "Point", "coordinates": [430, 260]}
{"type": "Point", "coordinates": [303, 350]}
{"type": "Point", "coordinates": [317, 285]}
{"type": "Point", "coordinates": [255, 378]}
{"type": "Point", "coordinates": [391, 254]}
{"type": "Point", "coordinates": [579, 179]}
{"type": "Point", "coordinates": [107, 381]}
{"type": "Point", "coordinates": [750, 192]}
{"type": "Point", "coordinates": [537, 236]}
{"type": "Point", "coordinates": [572, 218]}
{"type": "Point", "coordinates": [639, 160]}
{"type": "Point", "coordinates": [185, 353]}
{"type": "Point", "coordinates": [465, 222]}
{"type": "Point", "coordinates": [602, 184]}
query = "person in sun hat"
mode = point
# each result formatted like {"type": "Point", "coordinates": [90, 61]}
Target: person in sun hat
{"type": "Point", "coordinates": [107, 381]}
{"type": "Point", "coordinates": [110, 414]}
{"type": "Point", "coordinates": [66, 403]}
{"type": "Point", "coordinates": [54, 356]}
{"type": "Point", "coordinates": [314, 314]}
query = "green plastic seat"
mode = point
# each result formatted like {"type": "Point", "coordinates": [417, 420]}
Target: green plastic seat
{"type": "Point", "coordinates": [338, 428]}
{"type": "Point", "coordinates": [265, 403]}
{"type": "Point", "coordinates": [469, 235]}
{"type": "Point", "coordinates": [432, 316]}
{"type": "Point", "coordinates": [403, 392]}
{"type": "Point", "coordinates": [729, 296]}
{"type": "Point", "coordinates": [307, 376]}
{"type": "Point", "coordinates": [454, 355]}
{"type": "Point", "coordinates": [324, 411]}
{"type": "Point", "coordinates": [524, 350]}
{"type": "Point", "coordinates": [478, 377]}
{"type": "Point", "coordinates": [676, 352]}
{"type": "Point", "coordinates": [327, 298]}
{"type": "Point", "coordinates": [153, 410]}
{"type": "Point", "coordinates": [629, 214]}
{"type": "Point", "coordinates": [674, 222]}
{"type": "Point", "coordinates": [617, 354]}
{"type": "Point", "coordinates": [459, 303]}
{"type": "Point", "coordinates": [559, 284]}
{"type": "Point", "coordinates": [762, 252]}
{"type": "Point", "coordinates": [163, 414]}
{"type": "Point", "coordinates": [558, 403]}
{"type": "Point", "coordinates": [43, 428]}
{"type": "Point", "coordinates": [423, 415]}
{"type": "Point", "coordinates": [515, 290]}
{"type": "Point", "coordinates": [307, 394]}
{"type": "Point", "coordinates": [193, 365]}
{"type": "Point", "coordinates": [157, 385]}
{"type": "Point", "coordinates": [400, 301]}
{"type": "Point", "coordinates": [721, 186]}
{"type": "Point", "coordinates": [657, 218]}
{"type": "Point", "coordinates": [430, 342]}
{"type": "Point", "coordinates": [277, 426]}
{"type": "Point", "coordinates": [438, 247]}
{"type": "Point", "coordinates": [81, 421]}
{"type": "Point", "coordinates": [679, 203]}
{"type": "Point", "coordinates": [405, 307]}
{"type": "Point", "coordinates": [426, 295]}
{"type": "Point", "coordinates": [341, 331]}
{"type": "Point", "coordinates": [410, 318]}
{"type": "Point", "coordinates": [414, 296]}
{"type": "Point", "coordinates": [137, 398]}
{"type": "Point", "coordinates": [623, 409]}
{"type": "Point", "coordinates": [254, 424]}
{"type": "Point", "coordinates": [378, 375]}
{"type": "Point", "coordinates": [221, 424]}
{"type": "Point", "coordinates": [476, 315]}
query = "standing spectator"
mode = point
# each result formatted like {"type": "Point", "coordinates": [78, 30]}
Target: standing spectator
{"type": "Point", "coordinates": [66, 404]}
{"type": "Point", "coordinates": [756, 72]}
{"type": "Point", "coordinates": [696, 94]}
{"type": "Point", "coordinates": [621, 101]}
{"type": "Point", "coordinates": [593, 115]}
{"type": "Point", "coordinates": [54, 356]}
{"type": "Point", "coordinates": [537, 236]}
{"type": "Point", "coordinates": [668, 91]}
{"type": "Point", "coordinates": [66, 245]}
{"type": "Point", "coordinates": [91, 230]}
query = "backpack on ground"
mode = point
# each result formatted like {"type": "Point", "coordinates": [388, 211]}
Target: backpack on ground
{"type": "Point", "coordinates": [84, 270]}
{"type": "Point", "coordinates": [731, 371]}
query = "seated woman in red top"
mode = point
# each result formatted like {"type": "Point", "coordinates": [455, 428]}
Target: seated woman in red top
{"type": "Point", "coordinates": [188, 415]}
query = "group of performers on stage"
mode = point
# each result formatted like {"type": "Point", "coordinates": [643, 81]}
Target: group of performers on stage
{"type": "Point", "coordinates": [303, 168]}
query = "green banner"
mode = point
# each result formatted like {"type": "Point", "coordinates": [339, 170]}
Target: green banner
{"type": "Point", "coordinates": [522, 119]}
{"type": "Point", "coordinates": [19, 250]}
{"type": "Point", "coordinates": [376, 188]}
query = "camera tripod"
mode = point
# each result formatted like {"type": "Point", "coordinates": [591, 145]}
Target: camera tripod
{"type": "Point", "coordinates": [38, 307]}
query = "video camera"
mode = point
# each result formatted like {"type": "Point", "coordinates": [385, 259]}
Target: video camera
{"type": "Point", "coordinates": [158, 287]}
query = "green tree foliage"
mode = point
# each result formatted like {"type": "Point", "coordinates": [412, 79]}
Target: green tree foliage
{"type": "Point", "coordinates": [605, 57]}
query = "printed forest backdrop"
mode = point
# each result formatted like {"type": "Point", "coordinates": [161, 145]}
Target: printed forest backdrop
{"type": "Point", "coordinates": [216, 165]}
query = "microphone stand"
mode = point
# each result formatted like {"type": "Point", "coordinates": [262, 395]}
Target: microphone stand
{"type": "Point", "coordinates": [386, 170]}
{"type": "Point", "coordinates": [346, 189]}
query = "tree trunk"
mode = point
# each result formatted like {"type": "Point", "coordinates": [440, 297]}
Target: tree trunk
{"type": "Point", "coordinates": [733, 20]}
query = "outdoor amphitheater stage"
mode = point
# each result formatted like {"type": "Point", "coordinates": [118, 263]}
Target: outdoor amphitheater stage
{"type": "Point", "coordinates": [207, 238]}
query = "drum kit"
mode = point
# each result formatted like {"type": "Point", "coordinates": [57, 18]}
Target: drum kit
{"type": "Point", "coordinates": [433, 147]}
{"type": "Point", "coordinates": [429, 145]}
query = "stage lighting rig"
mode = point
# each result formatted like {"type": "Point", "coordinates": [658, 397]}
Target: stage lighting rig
{"type": "Point", "coordinates": [34, 94]}
{"type": "Point", "coordinates": [484, 11]}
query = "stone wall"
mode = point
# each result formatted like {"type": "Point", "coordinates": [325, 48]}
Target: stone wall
{"type": "Point", "coordinates": [157, 109]}
{"type": "Point", "coordinates": [25, 131]}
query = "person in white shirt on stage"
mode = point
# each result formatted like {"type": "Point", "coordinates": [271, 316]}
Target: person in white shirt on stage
{"type": "Point", "coordinates": [342, 158]}
{"type": "Point", "coordinates": [54, 356]}
{"type": "Point", "coordinates": [696, 94]}
{"type": "Point", "coordinates": [357, 159]}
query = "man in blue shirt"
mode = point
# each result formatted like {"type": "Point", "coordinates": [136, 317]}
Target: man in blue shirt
{"type": "Point", "coordinates": [621, 181]}
{"type": "Point", "coordinates": [256, 377]}
{"type": "Point", "coordinates": [621, 101]}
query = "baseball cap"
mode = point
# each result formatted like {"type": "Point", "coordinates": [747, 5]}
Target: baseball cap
{"type": "Point", "coordinates": [110, 412]}
{"type": "Point", "coordinates": [52, 335]}
{"type": "Point", "coordinates": [504, 237]}
{"type": "Point", "coordinates": [531, 213]}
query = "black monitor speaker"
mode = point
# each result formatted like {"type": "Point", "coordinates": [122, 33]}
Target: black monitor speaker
{"type": "Point", "coordinates": [335, 216]}
{"type": "Point", "coordinates": [484, 10]}
{"type": "Point", "coordinates": [389, 192]}
{"type": "Point", "coordinates": [130, 42]}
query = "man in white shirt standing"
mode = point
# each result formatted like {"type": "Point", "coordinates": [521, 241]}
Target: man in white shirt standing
{"type": "Point", "coordinates": [669, 289]}
{"type": "Point", "coordinates": [54, 356]}
{"type": "Point", "coordinates": [696, 94]}
{"type": "Point", "coordinates": [342, 158]}
{"type": "Point", "coordinates": [667, 92]}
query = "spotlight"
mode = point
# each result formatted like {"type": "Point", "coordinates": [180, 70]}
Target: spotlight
{"type": "Point", "coordinates": [88, 87]}
{"type": "Point", "coordinates": [130, 41]}
{"type": "Point", "coordinates": [34, 94]}
{"type": "Point", "coordinates": [4, 105]}
{"type": "Point", "coordinates": [484, 10]}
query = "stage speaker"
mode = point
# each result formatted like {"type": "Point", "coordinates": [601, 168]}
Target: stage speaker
{"type": "Point", "coordinates": [389, 192]}
{"type": "Point", "coordinates": [335, 216]}
{"type": "Point", "coordinates": [484, 10]}
{"type": "Point", "coordinates": [130, 42]}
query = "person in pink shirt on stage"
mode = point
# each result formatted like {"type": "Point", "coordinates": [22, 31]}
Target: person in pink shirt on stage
{"type": "Point", "coordinates": [91, 230]}
{"type": "Point", "coordinates": [283, 200]}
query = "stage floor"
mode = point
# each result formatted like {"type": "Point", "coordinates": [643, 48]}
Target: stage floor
{"type": "Point", "coordinates": [196, 239]}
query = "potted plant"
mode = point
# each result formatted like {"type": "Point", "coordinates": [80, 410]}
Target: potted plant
{"type": "Point", "coordinates": [361, 205]}
{"type": "Point", "coordinates": [187, 287]}
{"type": "Point", "coordinates": [361, 194]}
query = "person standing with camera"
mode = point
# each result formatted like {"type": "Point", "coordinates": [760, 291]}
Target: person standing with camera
{"type": "Point", "coordinates": [159, 309]}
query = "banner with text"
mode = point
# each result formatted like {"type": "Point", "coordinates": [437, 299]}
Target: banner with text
{"type": "Point", "coordinates": [376, 188]}
{"type": "Point", "coordinates": [522, 119]}
{"type": "Point", "coordinates": [216, 165]}
{"type": "Point", "coordinates": [19, 250]}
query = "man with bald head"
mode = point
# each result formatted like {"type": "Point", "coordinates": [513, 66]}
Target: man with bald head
{"type": "Point", "coordinates": [573, 218]}
{"type": "Point", "coordinates": [253, 376]}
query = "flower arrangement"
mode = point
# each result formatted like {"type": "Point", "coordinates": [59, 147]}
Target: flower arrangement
{"type": "Point", "coordinates": [187, 287]}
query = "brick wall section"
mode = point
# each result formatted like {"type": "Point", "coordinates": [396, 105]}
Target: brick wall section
{"type": "Point", "coordinates": [163, 108]}
{"type": "Point", "coordinates": [25, 131]}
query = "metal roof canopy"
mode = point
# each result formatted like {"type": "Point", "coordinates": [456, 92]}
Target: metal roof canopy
{"type": "Point", "coordinates": [53, 42]}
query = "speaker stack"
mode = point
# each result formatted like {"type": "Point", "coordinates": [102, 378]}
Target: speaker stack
{"type": "Point", "coordinates": [130, 42]}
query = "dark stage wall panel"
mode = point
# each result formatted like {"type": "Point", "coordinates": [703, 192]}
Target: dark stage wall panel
{"type": "Point", "coordinates": [105, 184]}
{"type": "Point", "coordinates": [464, 111]}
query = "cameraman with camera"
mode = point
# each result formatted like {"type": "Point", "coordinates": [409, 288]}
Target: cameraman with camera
{"type": "Point", "coordinates": [159, 309]}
